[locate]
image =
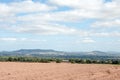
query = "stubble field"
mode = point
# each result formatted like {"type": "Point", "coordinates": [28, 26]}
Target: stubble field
{"type": "Point", "coordinates": [58, 71]}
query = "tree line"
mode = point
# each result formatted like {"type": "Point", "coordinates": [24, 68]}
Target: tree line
{"type": "Point", "coordinates": [97, 61]}
{"type": "Point", "coordinates": [58, 60]}
{"type": "Point", "coordinates": [29, 59]}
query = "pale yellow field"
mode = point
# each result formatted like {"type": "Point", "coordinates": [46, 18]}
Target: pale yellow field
{"type": "Point", "coordinates": [58, 71]}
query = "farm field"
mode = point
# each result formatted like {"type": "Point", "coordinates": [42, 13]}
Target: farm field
{"type": "Point", "coordinates": [58, 71]}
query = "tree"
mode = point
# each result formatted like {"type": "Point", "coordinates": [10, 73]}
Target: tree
{"type": "Point", "coordinates": [58, 60]}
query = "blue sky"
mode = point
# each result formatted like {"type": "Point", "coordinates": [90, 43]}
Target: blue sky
{"type": "Point", "coordinates": [66, 25]}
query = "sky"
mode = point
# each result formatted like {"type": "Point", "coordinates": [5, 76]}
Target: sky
{"type": "Point", "coordinates": [66, 25]}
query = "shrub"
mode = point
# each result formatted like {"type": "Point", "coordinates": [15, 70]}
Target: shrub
{"type": "Point", "coordinates": [58, 60]}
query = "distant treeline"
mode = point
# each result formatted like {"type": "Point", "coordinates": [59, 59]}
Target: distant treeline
{"type": "Point", "coordinates": [29, 59]}
{"type": "Point", "coordinates": [90, 61]}
{"type": "Point", "coordinates": [58, 60]}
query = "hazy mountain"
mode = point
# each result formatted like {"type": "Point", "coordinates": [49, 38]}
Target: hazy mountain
{"type": "Point", "coordinates": [50, 52]}
{"type": "Point", "coordinates": [31, 52]}
{"type": "Point", "coordinates": [37, 51]}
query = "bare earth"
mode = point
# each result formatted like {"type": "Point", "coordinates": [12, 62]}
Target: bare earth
{"type": "Point", "coordinates": [58, 71]}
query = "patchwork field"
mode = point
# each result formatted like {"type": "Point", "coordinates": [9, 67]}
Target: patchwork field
{"type": "Point", "coordinates": [58, 71]}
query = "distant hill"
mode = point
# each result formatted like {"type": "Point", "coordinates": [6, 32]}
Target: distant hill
{"type": "Point", "coordinates": [31, 52]}
{"type": "Point", "coordinates": [54, 53]}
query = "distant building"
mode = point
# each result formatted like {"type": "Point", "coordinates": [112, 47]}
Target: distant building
{"type": "Point", "coordinates": [65, 61]}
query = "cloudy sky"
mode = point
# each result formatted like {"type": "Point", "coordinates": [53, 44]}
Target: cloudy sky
{"type": "Point", "coordinates": [67, 25]}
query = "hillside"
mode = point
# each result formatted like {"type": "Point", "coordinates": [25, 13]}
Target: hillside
{"type": "Point", "coordinates": [60, 54]}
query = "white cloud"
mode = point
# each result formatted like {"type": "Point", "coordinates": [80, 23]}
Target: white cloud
{"type": "Point", "coordinates": [85, 40]}
{"type": "Point", "coordinates": [26, 6]}
{"type": "Point", "coordinates": [105, 34]}
{"type": "Point", "coordinates": [81, 9]}
{"type": "Point", "coordinates": [39, 18]}
{"type": "Point", "coordinates": [21, 39]}
{"type": "Point", "coordinates": [88, 40]}
{"type": "Point", "coordinates": [80, 4]}
{"type": "Point", "coordinates": [29, 6]}
{"type": "Point", "coordinates": [107, 24]}
{"type": "Point", "coordinates": [94, 9]}
{"type": "Point", "coordinates": [8, 39]}
{"type": "Point", "coordinates": [42, 29]}
{"type": "Point", "coordinates": [31, 40]}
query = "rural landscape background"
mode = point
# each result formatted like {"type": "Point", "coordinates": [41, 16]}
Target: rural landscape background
{"type": "Point", "coordinates": [59, 39]}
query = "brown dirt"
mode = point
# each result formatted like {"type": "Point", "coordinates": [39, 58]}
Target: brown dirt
{"type": "Point", "coordinates": [58, 71]}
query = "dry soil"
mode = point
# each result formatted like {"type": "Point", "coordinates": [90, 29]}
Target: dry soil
{"type": "Point", "coordinates": [58, 71]}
